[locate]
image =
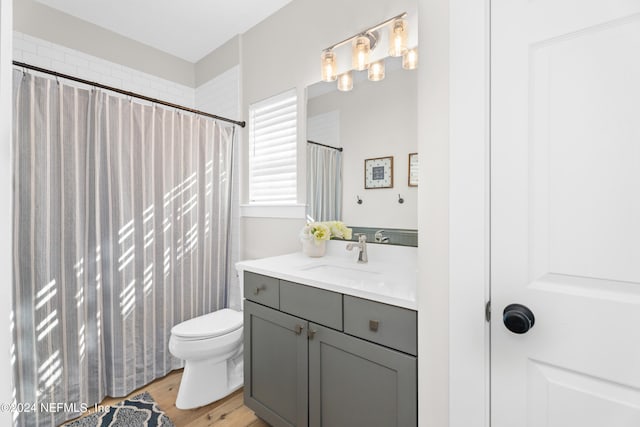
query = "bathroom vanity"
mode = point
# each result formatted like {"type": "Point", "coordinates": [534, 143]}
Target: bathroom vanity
{"type": "Point", "coordinates": [329, 342]}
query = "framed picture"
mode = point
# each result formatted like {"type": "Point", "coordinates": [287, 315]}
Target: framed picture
{"type": "Point", "coordinates": [413, 169]}
{"type": "Point", "coordinates": [378, 173]}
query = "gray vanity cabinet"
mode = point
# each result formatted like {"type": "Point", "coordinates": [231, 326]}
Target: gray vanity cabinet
{"type": "Point", "coordinates": [275, 366]}
{"type": "Point", "coordinates": [302, 370]}
{"type": "Point", "coordinates": [353, 382]}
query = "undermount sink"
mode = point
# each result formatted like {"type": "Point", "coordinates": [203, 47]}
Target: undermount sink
{"type": "Point", "coordinates": [344, 272]}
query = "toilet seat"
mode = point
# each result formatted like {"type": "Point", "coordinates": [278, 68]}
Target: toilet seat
{"type": "Point", "coordinates": [210, 325]}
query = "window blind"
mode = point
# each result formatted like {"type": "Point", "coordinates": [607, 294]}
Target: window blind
{"type": "Point", "coordinates": [272, 145]}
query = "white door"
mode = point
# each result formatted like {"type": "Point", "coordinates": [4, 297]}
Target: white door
{"type": "Point", "coordinates": [565, 212]}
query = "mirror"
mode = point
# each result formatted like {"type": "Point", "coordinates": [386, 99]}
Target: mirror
{"type": "Point", "coordinates": [375, 124]}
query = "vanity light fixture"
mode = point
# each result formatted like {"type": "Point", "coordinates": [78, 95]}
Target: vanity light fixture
{"type": "Point", "coordinates": [362, 44]}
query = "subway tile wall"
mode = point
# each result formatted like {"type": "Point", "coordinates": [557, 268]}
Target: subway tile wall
{"type": "Point", "coordinates": [45, 54]}
{"type": "Point", "coordinates": [325, 128]}
{"type": "Point", "coordinates": [221, 95]}
{"type": "Point", "coordinates": [218, 96]}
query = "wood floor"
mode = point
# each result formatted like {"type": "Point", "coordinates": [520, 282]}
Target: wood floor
{"type": "Point", "coordinates": [228, 412]}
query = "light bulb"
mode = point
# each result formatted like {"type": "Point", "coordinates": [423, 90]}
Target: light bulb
{"type": "Point", "coordinates": [376, 71]}
{"type": "Point", "coordinates": [410, 59]}
{"type": "Point", "coordinates": [361, 49]}
{"type": "Point", "coordinates": [328, 60]}
{"type": "Point", "coordinates": [345, 82]}
{"type": "Point", "coordinates": [398, 37]}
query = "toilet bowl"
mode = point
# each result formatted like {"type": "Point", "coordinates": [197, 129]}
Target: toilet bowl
{"type": "Point", "coordinates": [211, 346]}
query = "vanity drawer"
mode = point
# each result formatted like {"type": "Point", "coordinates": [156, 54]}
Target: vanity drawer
{"type": "Point", "coordinates": [316, 305]}
{"type": "Point", "coordinates": [384, 324]}
{"type": "Point", "coordinates": [262, 289]}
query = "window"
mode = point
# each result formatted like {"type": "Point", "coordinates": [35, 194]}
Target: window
{"type": "Point", "coordinates": [272, 150]}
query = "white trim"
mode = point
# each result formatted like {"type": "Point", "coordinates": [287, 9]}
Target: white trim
{"type": "Point", "coordinates": [469, 213]}
{"type": "Point", "coordinates": [453, 255]}
{"type": "Point", "coordinates": [295, 211]}
{"type": "Point", "coordinates": [433, 213]}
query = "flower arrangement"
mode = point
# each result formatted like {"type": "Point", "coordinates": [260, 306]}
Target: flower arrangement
{"type": "Point", "coordinates": [319, 231]}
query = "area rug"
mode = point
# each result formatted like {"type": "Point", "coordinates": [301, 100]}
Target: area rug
{"type": "Point", "coordinates": [139, 411]}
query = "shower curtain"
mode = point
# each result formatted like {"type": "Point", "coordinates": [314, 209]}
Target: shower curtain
{"type": "Point", "coordinates": [324, 183]}
{"type": "Point", "coordinates": [121, 230]}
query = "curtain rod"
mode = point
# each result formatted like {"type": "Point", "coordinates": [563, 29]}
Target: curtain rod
{"type": "Point", "coordinates": [127, 93]}
{"type": "Point", "coordinates": [324, 145]}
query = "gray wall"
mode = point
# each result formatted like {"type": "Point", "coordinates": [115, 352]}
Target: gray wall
{"type": "Point", "coordinates": [217, 62]}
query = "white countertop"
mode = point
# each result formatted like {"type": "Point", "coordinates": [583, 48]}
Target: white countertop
{"type": "Point", "coordinates": [389, 277]}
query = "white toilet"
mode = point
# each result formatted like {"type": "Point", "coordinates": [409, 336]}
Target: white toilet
{"type": "Point", "coordinates": [211, 346]}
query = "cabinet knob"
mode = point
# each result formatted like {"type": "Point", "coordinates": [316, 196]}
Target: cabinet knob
{"type": "Point", "coordinates": [298, 329]}
{"type": "Point", "coordinates": [311, 333]}
{"type": "Point", "coordinates": [257, 290]}
{"type": "Point", "coordinates": [373, 325]}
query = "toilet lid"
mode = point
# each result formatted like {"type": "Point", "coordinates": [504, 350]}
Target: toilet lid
{"type": "Point", "coordinates": [210, 325]}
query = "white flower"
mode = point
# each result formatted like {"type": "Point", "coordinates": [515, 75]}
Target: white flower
{"type": "Point", "coordinates": [325, 230]}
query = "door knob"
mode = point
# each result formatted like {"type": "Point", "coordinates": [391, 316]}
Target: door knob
{"type": "Point", "coordinates": [518, 318]}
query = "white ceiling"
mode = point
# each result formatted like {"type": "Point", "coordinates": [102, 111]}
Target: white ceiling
{"type": "Point", "coordinates": [188, 29]}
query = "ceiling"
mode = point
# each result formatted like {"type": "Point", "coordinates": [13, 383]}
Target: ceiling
{"type": "Point", "coordinates": [188, 29]}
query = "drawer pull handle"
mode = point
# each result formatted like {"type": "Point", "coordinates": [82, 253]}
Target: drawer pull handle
{"type": "Point", "coordinates": [257, 290]}
{"type": "Point", "coordinates": [298, 329]}
{"type": "Point", "coordinates": [373, 325]}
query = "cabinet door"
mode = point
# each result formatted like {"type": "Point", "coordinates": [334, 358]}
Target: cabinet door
{"type": "Point", "coordinates": [275, 365]}
{"type": "Point", "coordinates": [355, 383]}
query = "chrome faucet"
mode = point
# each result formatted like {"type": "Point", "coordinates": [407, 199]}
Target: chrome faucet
{"type": "Point", "coordinates": [380, 238]}
{"type": "Point", "coordinates": [362, 246]}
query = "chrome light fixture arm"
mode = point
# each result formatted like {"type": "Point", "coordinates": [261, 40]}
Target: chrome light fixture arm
{"type": "Point", "coordinates": [367, 33]}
